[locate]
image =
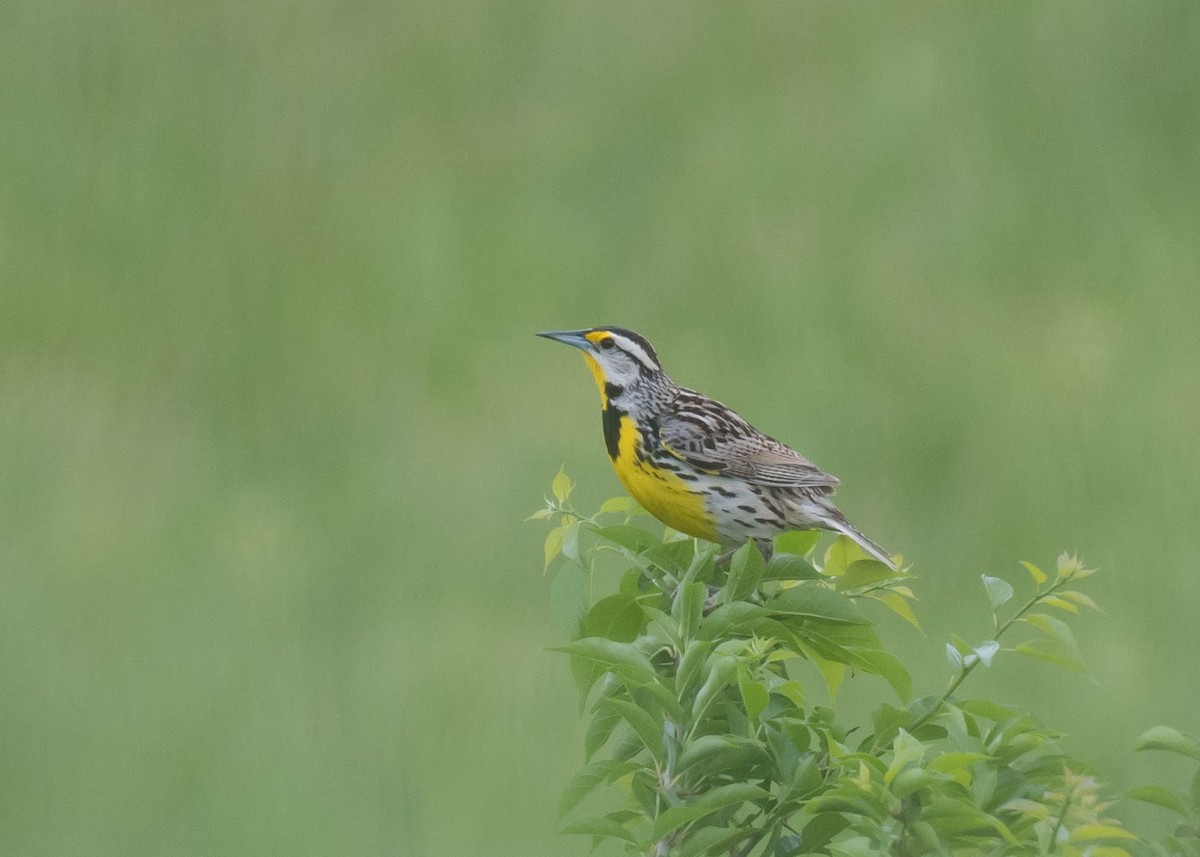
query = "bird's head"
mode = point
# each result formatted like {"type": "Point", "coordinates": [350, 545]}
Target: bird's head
{"type": "Point", "coordinates": [623, 362]}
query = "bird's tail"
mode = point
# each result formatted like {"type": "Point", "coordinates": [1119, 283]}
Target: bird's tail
{"type": "Point", "coordinates": [837, 522]}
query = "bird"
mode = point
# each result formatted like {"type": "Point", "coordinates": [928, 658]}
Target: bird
{"type": "Point", "coordinates": [694, 463]}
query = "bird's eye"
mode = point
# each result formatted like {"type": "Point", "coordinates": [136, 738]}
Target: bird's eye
{"type": "Point", "coordinates": [607, 344]}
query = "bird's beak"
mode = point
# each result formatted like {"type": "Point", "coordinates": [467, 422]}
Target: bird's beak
{"type": "Point", "coordinates": [569, 337]}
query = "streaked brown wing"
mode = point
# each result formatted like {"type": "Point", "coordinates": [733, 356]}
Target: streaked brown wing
{"type": "Point", "coordinates": [716, 440]}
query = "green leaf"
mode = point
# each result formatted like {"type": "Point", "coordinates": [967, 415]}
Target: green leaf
{"type": "Point", "coordinates": [837, 642]}
{"type": "Point", "coordinates": [590, 776]}
{"type": "Point", "coordinates": [569, 595]}
{"type": "Point", "coordinates": [1079, 598]}
{"type": "Point", "coordinates": [803, 776]}
{"type": "Point", "coordinates": [1171, 740]}
{"type": "Point", "coordinates": [1059, 648]}
{"type": "Point", "coordinates": [833, 672]}
{"type": "Point", "coordinates": [730, 795]}
{"type": "Point", "coordinates": [754, 694]}
{"type": "Point", "coordinates": [987, 709]}
{"type": "Point", "coordinates": [714, 754]}
{"type": "Point", "coordinates": [1159, 797]}
{"type": "Point", "coordinates": [952, 817]}
{"type": "Point", "coordinates": [892, 670]}
{"type": "Point", "coordinates": [722, 670]}
{"type": "Point", "coordinates": [708, 841]}
{"type": "Point", "coordinates": [671, 557]}
{"type": "Point", "coordinates": [561, 486]}
{"type": "Point", "coordinates": [570, 542]}
{"type": "Point", "coordinates": [906, 750]}
{"type": "Point", "coordinates": [912, 779]}
{"type": "Point", "coordinates": [731, 618]}
{"type": "Point", "coordinates": [689, 604]}
{"type": "Point", "coordinates": [790, 566]}
{"type": "Point", "coordinates": [1060, 603]}
{"type": "Point", "coordinates": [985, 651]}
{"type": "Point", "coordinates": [792, 691]}
{"type": "Point", "coordinates": [1056, 628]}
{"type": "Point", "coordinates": [626, 536]}
{"type": "Point", "coordinates": [624, 505]}
{"type": "Point", "coordinates": [540, 515]}
{"type": "Point", "coordinates": [1052, 650]}
{"type": "Point", "coordinates": [864, 572]}
{"type": "Point", "coordinates": [745, 571]}
{"type": "Point", "coordinates": [798, 542]}
{"type": "Point", "coordinates": [855, 846]}
{"type": "Point", "coordinates": [999, 591]}
{"type": "Point", "coordinates": [823, 827]}
{"type": "Point", "coordinates": [612, 655]}
{"type": "Point", "coordinates": [604, 828]}
{"type": "Point", "coordinates": [654, 694]}
{"type": "Point", "coordinates": [649, 728]}
{"type": "Point", "coordinates": [643, 786]}
{"type": "Point", "coordinates": [662, 627]}
{"type": "Point", "coordinates": [887, 720]}
{"type": "Point", "coordinates": [853, 803]}
{"type": "Point", "coordinates": [719, 798]}
{"type": "Point", "coordinates": [632, 582]}
{"type": "Point", "coordinates": [599, 730]}
{"type": "Point", "coordinates": [899, 605]}
{"type": "Point", "coordinates": [841, 555]}
{"type": "Point", "coordinates": [1184, 842]}
{"type": "Point", "coordinates": [816, 602]}
{"type": "Point", "coordinates": [691, 665]}
{"type": "Point", "coordinates": [948, 763]}
{"type": "Point", "coordinates": [586, 673]}
{"type": "Point", "coordinates": [617, 617]}
{"type": "Point", "coordinates": [1039, 576]}
{"type": "Point", "coordinates": [553, 545]}
{"type": "Point", "coordinates": [700, 560]}
{"type": "Point", "coordinates": [1091, 832]}
{"type": "Point", "coordinates": [923, 707]}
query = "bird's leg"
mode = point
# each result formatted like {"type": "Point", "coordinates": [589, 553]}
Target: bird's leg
{"type": "Point", "coordinates": [710, 604]}
{"type": "Point", "coordinates": [765, 547]}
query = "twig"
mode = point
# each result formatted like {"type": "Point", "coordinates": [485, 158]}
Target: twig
{"type": "Point", "coordinates": [967, 669]}
{"type": "Point", "coordinates": [1058, 821]}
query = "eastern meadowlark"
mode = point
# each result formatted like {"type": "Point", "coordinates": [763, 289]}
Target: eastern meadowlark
{"type": "Point", "coordinates": [692, 462]}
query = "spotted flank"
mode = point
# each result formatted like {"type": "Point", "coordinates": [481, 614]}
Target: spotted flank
{"type": "Point", "coordinates": [695, 464]}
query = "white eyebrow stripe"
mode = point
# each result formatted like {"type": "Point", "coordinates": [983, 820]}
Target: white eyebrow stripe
{"type": "Point", "coordinates": [635, 349]}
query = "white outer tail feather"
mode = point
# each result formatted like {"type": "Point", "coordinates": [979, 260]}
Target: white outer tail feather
{"type": "Point", "coordinates": [839, 524]}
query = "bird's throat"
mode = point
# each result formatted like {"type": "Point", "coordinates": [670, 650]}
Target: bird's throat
{"type": "Point", "coordinates": [598, 374]}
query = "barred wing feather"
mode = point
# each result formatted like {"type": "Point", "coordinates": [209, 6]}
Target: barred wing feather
{"type": "Point", "coordinates": [724, 443]}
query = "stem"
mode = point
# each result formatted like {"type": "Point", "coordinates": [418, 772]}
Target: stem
{"type": "Point", "coordinates": [770, 821]}
{"type": "Point", "coordinates": [875, 587]}
{"type": "Point", "coordinates": [1058, 822]}
{"type": "Point", "coordinates": [966, 670]}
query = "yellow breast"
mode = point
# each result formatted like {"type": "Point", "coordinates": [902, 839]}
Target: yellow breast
{"type": "Point", "coordinates": [660, 492]}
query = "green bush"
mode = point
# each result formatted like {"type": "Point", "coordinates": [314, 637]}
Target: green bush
{"type": "Point", "coordinates": [698, 677]}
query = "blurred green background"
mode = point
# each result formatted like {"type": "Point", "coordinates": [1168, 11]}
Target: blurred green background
{"type": "Point", "coordinates": [271, 410]}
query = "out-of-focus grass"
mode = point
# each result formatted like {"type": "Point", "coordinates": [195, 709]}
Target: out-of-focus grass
{"type": "Point", "coordinates": [271, 413]}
